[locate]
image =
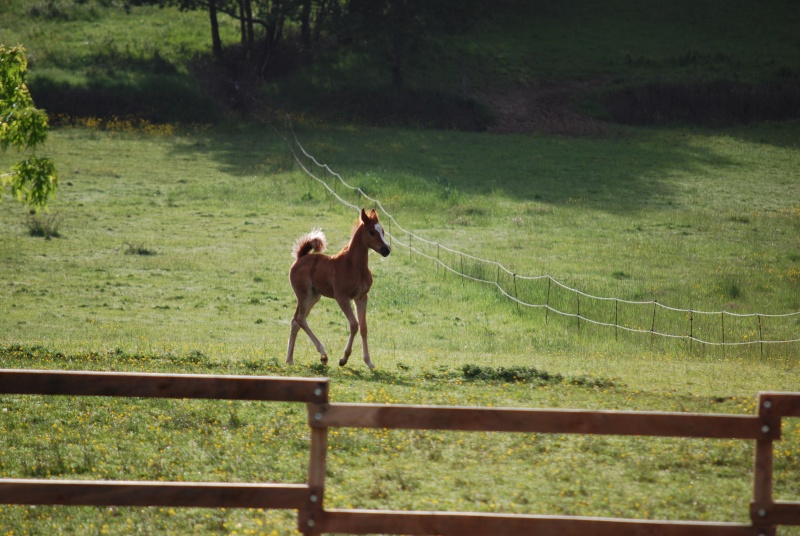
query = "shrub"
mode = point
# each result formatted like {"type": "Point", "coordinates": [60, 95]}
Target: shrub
{"type": "Point", "coordinates": [44, 224]}
{"type": "Point", "coordinates": [719, 102]}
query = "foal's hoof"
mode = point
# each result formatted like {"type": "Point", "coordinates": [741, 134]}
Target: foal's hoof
{"type": "Point", "coordinates": [324, 360]}
{"type": "Point", "coordinates": [342, 361]}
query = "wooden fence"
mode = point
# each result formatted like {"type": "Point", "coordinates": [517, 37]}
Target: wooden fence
{"type": "Point", "coordinates": [764, 428]}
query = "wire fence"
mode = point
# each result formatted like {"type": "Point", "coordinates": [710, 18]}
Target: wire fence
{"type": "Point", "coordinates": [544, 292]}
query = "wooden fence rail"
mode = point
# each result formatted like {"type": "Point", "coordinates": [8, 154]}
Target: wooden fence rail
{"type": "Point", "coordinates": [308, 498]}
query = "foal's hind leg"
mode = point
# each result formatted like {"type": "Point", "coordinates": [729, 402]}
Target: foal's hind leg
{"type": "Point", "coordinates": [304, 306]}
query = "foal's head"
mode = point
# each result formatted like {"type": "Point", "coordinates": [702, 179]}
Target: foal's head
{"type": "Point", "coordinates": [373, 233]}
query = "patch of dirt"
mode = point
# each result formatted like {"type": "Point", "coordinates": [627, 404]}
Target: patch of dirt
{"type": "Point", "coordinates": [547, 109]}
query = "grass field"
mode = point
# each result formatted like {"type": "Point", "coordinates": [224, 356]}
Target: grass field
{"type": "Point", "coordinates": [172, 255]}
{"type": "Point", "coordinates": [171, 251]}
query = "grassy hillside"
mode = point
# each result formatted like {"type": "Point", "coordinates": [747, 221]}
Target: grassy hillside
{"type": "Point", "coordinates": [173, 253]}
{"type": "Point", "coordinates": [219, 209]}
{"type": "Point", "coordinates": [173, 245]}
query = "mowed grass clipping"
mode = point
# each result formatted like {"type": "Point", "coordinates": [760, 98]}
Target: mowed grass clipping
{"type": "Point", "coordinates": [173, 254]}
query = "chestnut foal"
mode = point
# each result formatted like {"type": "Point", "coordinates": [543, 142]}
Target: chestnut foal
{"type": "Point", "coordinates": [345, 277]}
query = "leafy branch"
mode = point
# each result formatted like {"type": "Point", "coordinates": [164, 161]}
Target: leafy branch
{"type": "Point", "coordinates": [23, 127]}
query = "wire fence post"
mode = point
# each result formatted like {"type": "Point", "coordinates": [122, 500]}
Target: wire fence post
{"type": "Point", "coordinates": [547, 303]}
{"type": "Point", "coordinates": [760, 336]}
{"type": "Point", "coordinates": [691, 328]}
{"type": "Point", "coordinates": [653, 325]}
{"type": "Point", "coordinates": [516, 296]}
{"type": "Point", "coordinates": [723, 334]}
{"type": "Point", "coordinates": [578, 316]}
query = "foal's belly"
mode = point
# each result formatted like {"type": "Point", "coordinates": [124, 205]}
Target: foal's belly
{"type": "Point", "coordinates": [333, 291]}
{"type": "Point", "coordinates": [331, 279]}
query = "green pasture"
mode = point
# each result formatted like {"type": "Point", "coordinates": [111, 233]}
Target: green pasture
{"type": "Point", "coordinates": [170, 245]}
{"type": "Point", "coordinates": [172, 255]}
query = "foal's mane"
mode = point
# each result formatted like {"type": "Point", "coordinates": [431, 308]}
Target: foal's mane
{"type": "Point", "coordinates": [359, 223]}
{"type": "Point", "coordinates": [356, 226]}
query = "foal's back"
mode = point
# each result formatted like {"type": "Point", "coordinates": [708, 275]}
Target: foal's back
{"type": "Point", "coordinates": [329, 276]}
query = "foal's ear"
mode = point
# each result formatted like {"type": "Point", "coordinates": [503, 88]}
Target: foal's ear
{"type": "Point", "coordinates": [364, 217]}
{"type": "Point", "coordinates": [373, 214]}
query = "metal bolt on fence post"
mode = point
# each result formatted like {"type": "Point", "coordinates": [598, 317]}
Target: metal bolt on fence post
{"type": "Point", "coordinates": [767, 404]}
{"type": "Point", "coordinates": [318, 416]}
{"type": "Point", "coordinates": [318, 391]}
{"type": "Point", "coordinates": [765, 429]}
{"type": "Point", "coordinates": [313, 498]}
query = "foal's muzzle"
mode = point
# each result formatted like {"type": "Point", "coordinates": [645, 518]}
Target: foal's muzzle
{"type": "Point", "coordinates": [385, 250]}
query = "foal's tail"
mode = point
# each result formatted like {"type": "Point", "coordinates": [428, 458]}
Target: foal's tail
{"type": "Point", "coordinates": [314, 241]}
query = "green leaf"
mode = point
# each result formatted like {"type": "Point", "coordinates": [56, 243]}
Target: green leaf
{"type": "Point", "coordinates": [34, 180]}
{"type": "Point", "coordinates": [23, 127]}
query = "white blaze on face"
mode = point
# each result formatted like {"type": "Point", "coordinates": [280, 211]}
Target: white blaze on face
{"type": "Point", "coordinates": [380, 233]}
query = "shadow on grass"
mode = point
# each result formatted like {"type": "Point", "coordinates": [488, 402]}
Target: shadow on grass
{"type": "Point", "coordinates": [158, 99]}
{"type": "Point", "coordinates": [621, 173]}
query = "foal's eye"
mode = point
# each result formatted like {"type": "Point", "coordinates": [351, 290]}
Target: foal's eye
{"type": "Point", "coordinates": [372, 232]}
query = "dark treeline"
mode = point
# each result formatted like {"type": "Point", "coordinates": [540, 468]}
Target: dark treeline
{"type": "Point", "coordinates": [391, 28]}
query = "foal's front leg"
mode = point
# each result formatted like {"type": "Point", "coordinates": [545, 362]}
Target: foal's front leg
{"type": "Point", "coordinates": [347, 309]}
{"type": "Point", "coordinates": [361, 308]}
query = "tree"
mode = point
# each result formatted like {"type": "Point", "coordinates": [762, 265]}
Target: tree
{"type": "Point", "coordinates": [272, 16]}
{"type": "Point", "coordinates": [23, 127]}
{"type": "Point", "coordinates": [400, 26]}
{"type": "Point", "coordinates": [216, 41]}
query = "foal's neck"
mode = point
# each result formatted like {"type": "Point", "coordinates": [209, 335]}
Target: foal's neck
{"type": "Point", "coordinates": [356, 248]}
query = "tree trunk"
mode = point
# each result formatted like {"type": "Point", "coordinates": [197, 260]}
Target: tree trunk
{"type": "Point", "coordinates": [216, 42]}
{"type": "Point", "coordinates": [397, 60]}
{"type": "Point", "coordinates": [326, 8]}
{"type": "Point", "coordinates": [247, 26]}
{"type": "Point", "coordinates": [305, 24]}
{"type": "Point", "coordinates": [242, 25]}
